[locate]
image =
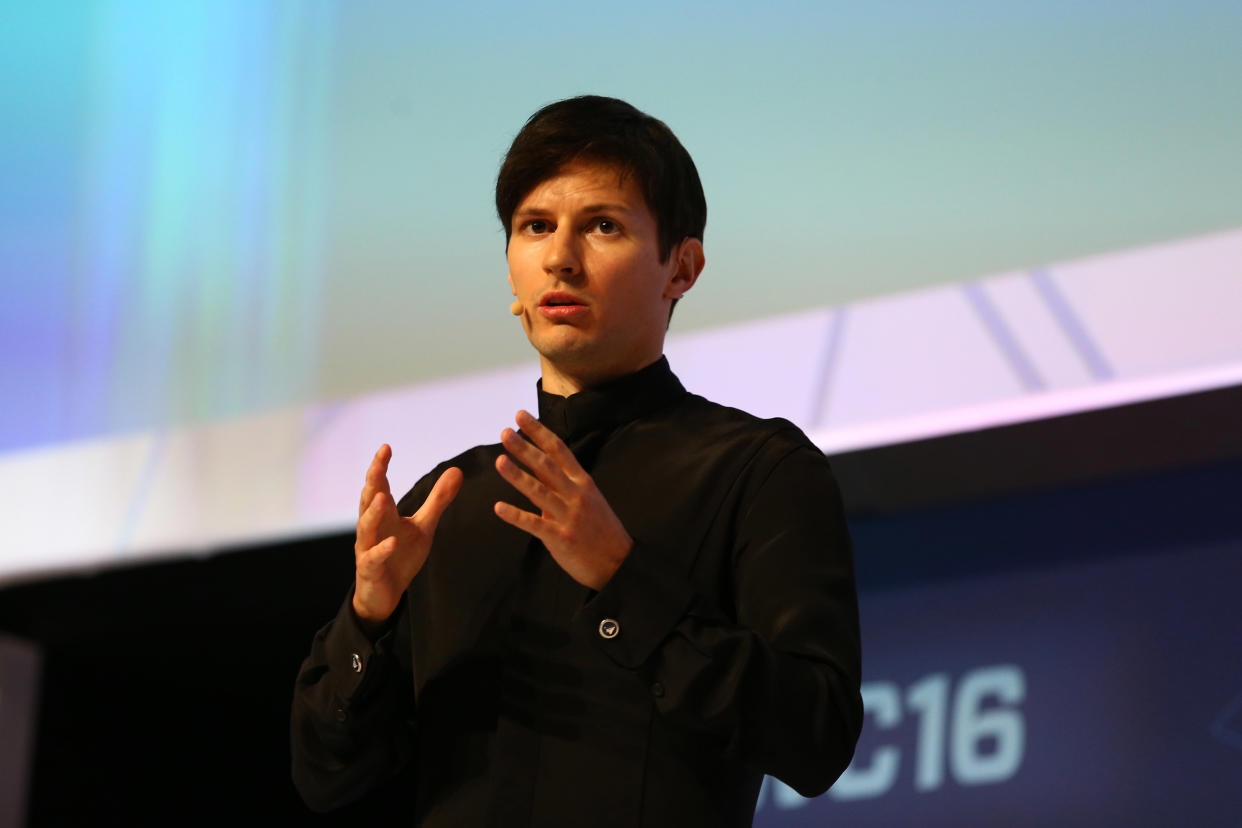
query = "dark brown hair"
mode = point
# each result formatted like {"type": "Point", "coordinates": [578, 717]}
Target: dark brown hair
{"type": "Point", "coordinates": [610, 131]}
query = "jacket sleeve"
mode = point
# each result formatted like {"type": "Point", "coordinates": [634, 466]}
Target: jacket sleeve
{"type": "Point", "coordinates": [352, 710]}
{"type": "Point", "coordinates": [353, 701]}
{"type": "Point", "coordinates": [777, 678]}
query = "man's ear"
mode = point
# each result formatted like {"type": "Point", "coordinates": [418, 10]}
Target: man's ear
{"type": "Point", "coordinates": [688, 260]}
{"type": "Point", "coordinates": [512, 289]}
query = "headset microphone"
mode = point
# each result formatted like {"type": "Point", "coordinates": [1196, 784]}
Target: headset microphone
{"type": "Point", "coordinates": [516, 308]}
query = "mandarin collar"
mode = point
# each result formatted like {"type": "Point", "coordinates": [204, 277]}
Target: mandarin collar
{"type": "Point", "coordinates": [610, 405]}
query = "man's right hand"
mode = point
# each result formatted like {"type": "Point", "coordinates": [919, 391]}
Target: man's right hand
{"type": "Point", "coordinates": [389, 549]}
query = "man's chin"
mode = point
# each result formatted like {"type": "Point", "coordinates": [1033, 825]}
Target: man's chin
{"type": "Point", "coordinates": [571, 352]}
{"type": "Point", "coordinates": [568, 355]}
{"type": "Point", "coordinates": [562, 341]}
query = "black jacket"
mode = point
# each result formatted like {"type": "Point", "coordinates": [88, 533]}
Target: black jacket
{"type": "Point", "coordinates": [725, 646]}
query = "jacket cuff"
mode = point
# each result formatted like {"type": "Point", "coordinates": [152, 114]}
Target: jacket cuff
{"type": "Point", "coordinates": [350, 652]}
{"type": "Point", "coordinates": [638, 607]}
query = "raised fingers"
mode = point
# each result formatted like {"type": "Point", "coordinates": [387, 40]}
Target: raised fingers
{"type": "Point", "coordinates": [368, 533]}
{"type": "Point", "coordinates": [377, 478]}
{"type": "Point", "coordinates": [536, 459]}
{"type": "Point", "coordinates": [520, 518]}
{"type": "Point", "coordinates": [442, 493]}
{"type": "Point", "coordinates": [550, 444]}
{"type": "Point", "coordinates": [536, 492]}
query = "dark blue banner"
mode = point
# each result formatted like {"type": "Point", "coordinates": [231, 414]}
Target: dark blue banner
{"type": "Point", "coordinates": [1101, 693]}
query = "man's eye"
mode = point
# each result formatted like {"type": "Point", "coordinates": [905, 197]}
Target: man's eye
{"type": "Point", "coordinates": [606, 226]}
{"type": "Point", "coordinates": [537, 226]}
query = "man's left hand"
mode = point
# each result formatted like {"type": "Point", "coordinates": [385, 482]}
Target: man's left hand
{"type": "Point", "coordinates": [578, 527]}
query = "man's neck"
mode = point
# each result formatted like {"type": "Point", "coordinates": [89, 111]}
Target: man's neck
{"type": "Point", "coordinates": [565, 383]}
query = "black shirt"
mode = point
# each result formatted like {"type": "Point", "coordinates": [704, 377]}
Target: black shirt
{"type": "Point", "coordinates": [724, 647]}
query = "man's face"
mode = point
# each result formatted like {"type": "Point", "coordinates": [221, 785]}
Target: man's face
{"type": "Point", "coordinates": [584, 261]}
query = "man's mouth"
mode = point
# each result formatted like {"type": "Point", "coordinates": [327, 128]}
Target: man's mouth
{"type": "Point", "coordinates": [559, 305]}
{"type": "Point", "coordinates": [559, 299]}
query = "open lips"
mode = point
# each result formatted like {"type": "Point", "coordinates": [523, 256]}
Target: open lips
{"type": "Point", "coordinates": [560, 305]}
{"type": "Point", "coordinates": [559, 298]}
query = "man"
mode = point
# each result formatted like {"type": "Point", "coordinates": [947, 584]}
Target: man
{"type": "Point", "coordinates": [634, 607]}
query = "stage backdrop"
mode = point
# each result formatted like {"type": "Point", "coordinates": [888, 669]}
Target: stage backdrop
{"type": "Point", "coordinates": [243, 244]}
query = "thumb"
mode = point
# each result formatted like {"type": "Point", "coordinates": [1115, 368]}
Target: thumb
{"type": "Point", "coordinates": [447, 486]}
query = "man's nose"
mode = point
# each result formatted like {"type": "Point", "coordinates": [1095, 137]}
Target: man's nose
{"type": "Point", "coordinates": [561, 255]}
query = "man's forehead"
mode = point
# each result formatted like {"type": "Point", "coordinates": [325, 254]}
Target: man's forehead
{"type": "Point", "coordinates": [586, 181]}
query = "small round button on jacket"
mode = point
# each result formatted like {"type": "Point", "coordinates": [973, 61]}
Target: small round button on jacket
{"type": "Point", "coordinates": [657, 690]}
{"type": "Point", "coordinates": [609, 627]}
{"type": "Point", "coordinates": [356, 663]}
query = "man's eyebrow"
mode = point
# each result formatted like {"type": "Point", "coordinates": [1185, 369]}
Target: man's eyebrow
{"type": "Point", "coordinates": [608, 207]}
{"type": "Point", "coordinates": [602, 207]}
